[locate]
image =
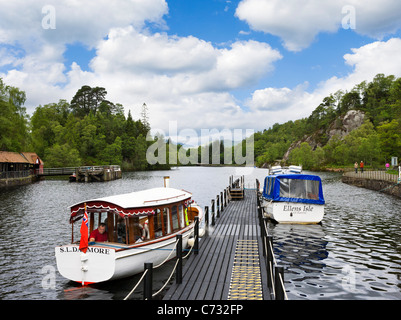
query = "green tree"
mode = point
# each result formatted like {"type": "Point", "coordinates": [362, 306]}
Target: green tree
{"type": "Point", "coordinates": [390, 139]}
{"type": "Point", "coordinates": [306, 157]}
{"type": "Point", "coordinates": [112, 153]}
{"type": "Point", "coordinates": [13, 119]}
{"type": "Point", "coordinates": [88, 100]}
{"type": "Point", "coordinates": [47, 125]}
{"type": "Point", "coordinates": [62, 156]}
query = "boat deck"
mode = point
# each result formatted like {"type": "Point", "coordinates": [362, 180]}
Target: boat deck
{"type": "Point", "coordinates": [229, 265]}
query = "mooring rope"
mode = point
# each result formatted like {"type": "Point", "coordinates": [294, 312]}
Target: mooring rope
{"type": "Point", "coordinates": [172, 250]}
{"type": "Point", "coordinates": [282, 284]}
{"type": "Point", "coordinates": [172, 272]}
{"type": "Point", "coordinates": [168, 280]}
{"type": "Point", "coordinates": [171, 275]}
{"type": "Point", "coordinates": [140, 280]}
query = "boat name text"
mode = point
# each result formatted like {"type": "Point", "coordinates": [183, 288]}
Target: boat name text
{"type": "Point", "coordinates": [305, 208]}
{"type": "Point", "coordinates": [92, 250]}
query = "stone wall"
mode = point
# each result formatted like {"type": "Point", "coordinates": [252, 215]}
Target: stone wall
{"type": "Point", "coordinates": [387, 187]}
{"type": "Point", "coordinates": [11, 182]}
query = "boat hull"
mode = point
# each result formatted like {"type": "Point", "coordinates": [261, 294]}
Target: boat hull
{"type": "Point", "coordinates": [110, 261]}
{"type": "Point", "coordinates": [293, 213]}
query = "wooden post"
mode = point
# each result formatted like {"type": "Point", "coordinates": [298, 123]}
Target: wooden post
{"type": "Point", "coordinates": [269, 263]}
{"type": "Point", "coordinates": [178, 274]}
{"type": "Point", "coordinates": [218, 207]}
{"type": "Point", "coordinates": [222, 202]}
{"type": "Point", "coordinates": [147, 284]}
{"type": "Point", "coordinates": [225, 197]}
{"type": "Point", "coordinates": [213, 218]}
{"type": "Point", "coordinates": [278, 284]}
{"type": "Point", "coordinates": [206, 216]}
{"type": "Point", "coordinates": [196, 235]}
{"type": "Point", "coordinates": [264, 237]}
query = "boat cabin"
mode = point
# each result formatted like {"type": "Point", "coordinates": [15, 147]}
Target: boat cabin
{"type": "Point", "coordinates": [294, 188]}
{"type": "Point", "coordinates": [139, 216]}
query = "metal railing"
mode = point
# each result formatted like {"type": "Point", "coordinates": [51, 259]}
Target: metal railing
{"type": "Point", "coordinates": [71, 170]}
{"type": "Point", "coordinates": [275, 272]}
{"type": "Point", "coordinates": [372, 175]}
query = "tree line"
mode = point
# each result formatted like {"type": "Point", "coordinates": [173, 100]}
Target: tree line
{"type": "Point", "coordinates": [89, 130]}
{"type": "Point", "coordinates": [375, 142]}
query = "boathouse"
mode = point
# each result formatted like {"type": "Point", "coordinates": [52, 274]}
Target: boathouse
{"type": "Point", "coordinates": [18, 168]}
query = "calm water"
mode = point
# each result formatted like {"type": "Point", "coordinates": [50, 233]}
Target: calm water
{"type": "Point", "coordinates": [354, 254]}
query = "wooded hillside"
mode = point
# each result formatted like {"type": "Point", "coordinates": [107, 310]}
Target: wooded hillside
{"type": "Point", "coordinates": [375, 142]}
{"type": "Point", "coordinates": [90, 130]}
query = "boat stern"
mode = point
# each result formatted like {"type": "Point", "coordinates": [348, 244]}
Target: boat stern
{"type": "Point", "coordinates": [294, 213]}
{"type": "Point", "coordinates": [96, 265]}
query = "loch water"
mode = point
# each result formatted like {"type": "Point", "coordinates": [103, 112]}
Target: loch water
{"type": "Point", "coordinates": [354, 254]}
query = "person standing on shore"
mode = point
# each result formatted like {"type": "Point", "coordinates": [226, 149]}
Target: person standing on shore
{"type": "Point", "coordinates": [361, 166]}
{"type": "Point", "coordinates": [356, 167]}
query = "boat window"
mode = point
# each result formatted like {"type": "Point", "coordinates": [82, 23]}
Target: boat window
{"type": "Point", "coordinates": [285, 188]}
{"type": "Point", "coordinates": [312, 189]}
{"type": "Point", "coordinates": [174, 215]}
{"type": "Point", "coordinates": [181, 214]}
{"type": "Point", "coordinates": [135, 230]}
{"type": "Point", "coordinates": [300, 189]}
{"type": "Point", "coordinates": [121, 230]}
{"type": "Point", "coordinates": [272, 181]}
{"type": "Point", "coordinates": [166, 219]}
{"type": "Point", "coordinates": [157, 220]}
{"type": "Point", "coordinates": [98, 218]}
{"type": "Point", "coordinates": [296, 189]}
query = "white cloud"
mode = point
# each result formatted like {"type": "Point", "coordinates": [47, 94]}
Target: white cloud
{"type": "Point", "coordinates": [284, 104]}
{"type": "Point", "coordinates": [367, 61]}
{"type": "Point", "coordinates": [179, 78]}
{"type": "Point", "coordinates": [183, 79]}
{"type": "Point", "coordinates": [129, 50]}
{"type": "Point", "coordinates": [297, 23]}
{"type": "Point", "coordinates": [37, 53]}
{"type": "Point", "coordinates": [76, 21]}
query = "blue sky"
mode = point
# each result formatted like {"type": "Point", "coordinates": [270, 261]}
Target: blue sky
{"type": "Point", "coordinates": [205, 64]}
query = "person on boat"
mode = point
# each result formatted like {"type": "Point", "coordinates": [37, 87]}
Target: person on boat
{"type": "Point", "coordinates": [121, 234]}
{"type": "Point", "coordinates": [356, 167]}
{"type": "Point", "coordinates": [145, 230]}
{"type": "Point", "coordinates": [99, 235]}
{"type": "Point", "coordinates": [140, 231]}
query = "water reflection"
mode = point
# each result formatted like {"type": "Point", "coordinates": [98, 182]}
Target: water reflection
{"type": "Point", "coordinates": [354, 254]}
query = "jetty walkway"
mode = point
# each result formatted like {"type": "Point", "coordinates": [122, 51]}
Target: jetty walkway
{"type": "Point", "coordinates": [230, 264]}
{"type": "Point", "coordinates": [379, 181]}
{"type": "Point", "coordinates": [85, 173]}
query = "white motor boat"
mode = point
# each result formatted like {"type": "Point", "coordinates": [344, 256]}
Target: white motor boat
{"type": "Point", "coordinates": [141, 228]}
{"type": "Point", "coordinates": [292, 197]}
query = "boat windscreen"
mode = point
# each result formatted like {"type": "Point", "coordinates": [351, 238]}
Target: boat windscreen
{"type": "Point", "coordinates": [299, 189]}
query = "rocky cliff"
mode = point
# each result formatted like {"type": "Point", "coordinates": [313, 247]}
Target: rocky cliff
{"type": "Point", "coordinates": [341, 127]}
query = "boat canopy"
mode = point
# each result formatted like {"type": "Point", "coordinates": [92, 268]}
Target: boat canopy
{"type": "Point", "coordinates": [294, 188]}
{"type": "Point", "coordinates": [140, 203]}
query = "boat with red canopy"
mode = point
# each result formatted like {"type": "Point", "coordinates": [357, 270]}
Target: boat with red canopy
{"type": "Point", "coordinates": [140, 227]}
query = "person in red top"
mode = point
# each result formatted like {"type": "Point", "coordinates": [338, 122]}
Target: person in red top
{"type": "Point", "coordinates": [99, 235]}
{"type": "Point", "coordinates": [361, 166]}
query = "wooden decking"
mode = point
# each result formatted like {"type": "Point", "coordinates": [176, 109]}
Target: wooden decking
{"type": "Point", "coordinates": [229, 265]}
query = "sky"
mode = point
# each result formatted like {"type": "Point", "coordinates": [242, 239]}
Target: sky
{"type": "Point", "coordinates": [199, 64]}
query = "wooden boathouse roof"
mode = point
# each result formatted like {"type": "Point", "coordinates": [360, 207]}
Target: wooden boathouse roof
{"type": "Point", "coordinates": [12, 157]}
{"type": "Point", "coordinates": [15, 157]}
